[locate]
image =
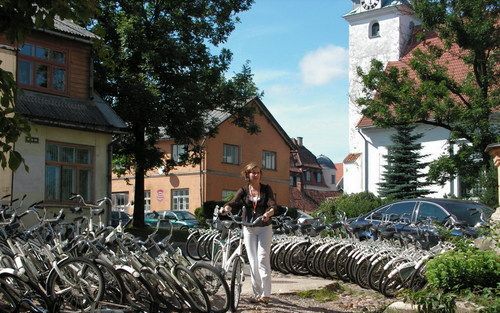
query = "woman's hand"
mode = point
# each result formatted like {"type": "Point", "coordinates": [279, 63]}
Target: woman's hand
{"type": "Point", "coordinates": [267, 216]}
{"type": "Point", "coordinates": [224, 210]}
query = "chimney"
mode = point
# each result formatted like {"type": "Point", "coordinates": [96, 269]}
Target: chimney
{"type": "Point", "coordinates": [299, 141]}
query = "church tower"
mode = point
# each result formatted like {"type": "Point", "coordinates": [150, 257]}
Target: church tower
{"type": "Point", "coordinates": [378, 29]}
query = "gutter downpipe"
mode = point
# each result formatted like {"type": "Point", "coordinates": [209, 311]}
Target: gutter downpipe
{"type": "Point", "coordinates": [366, 161]}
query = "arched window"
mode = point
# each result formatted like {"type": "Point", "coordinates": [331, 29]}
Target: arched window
{"type": "Point", "coordinates": [375, 30]}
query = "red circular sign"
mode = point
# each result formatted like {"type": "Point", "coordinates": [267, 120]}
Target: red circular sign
{"type": "Point", "coordinates": [160, 195]}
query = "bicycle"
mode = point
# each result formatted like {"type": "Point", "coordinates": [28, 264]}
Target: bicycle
{"type": "Point", "coordinates": [231, 259]}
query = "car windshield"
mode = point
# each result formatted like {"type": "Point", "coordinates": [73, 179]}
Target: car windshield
{"type": "Point", "coordinates": [185, 215]}
{"type": "Point", "coordinates": [469, 212]}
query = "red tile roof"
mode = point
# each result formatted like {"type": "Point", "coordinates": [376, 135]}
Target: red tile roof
{"type": "Point", "coordinates": [351, 157]}
{"type": "Point", "coordinates": [340, 172]}
{"type": "Point", "coordinates": [309, 200]}
{"type": "Point", "coordinates": [450, 59]}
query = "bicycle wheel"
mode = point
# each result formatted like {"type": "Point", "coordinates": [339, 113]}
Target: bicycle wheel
{"type": "Point", "coordinates": [191, 243]}
{"type": "Point", "coordinates": [361, 273]}
{"type": "Point", "coordinates": [138, 293]}
{"type": "Point", "coordinates": [196, 295]}
{"type": "Point", "coordinates": [165, 296]}
{"type": "Point", "coordinates": [8, 298]}
{"type": "Point", "coordinates": [16, 295]}
{"type": "Point", "coordinates": [295, 260]}
{"type": "Point", "coordinates": [341, 263]}
{"type": "Point", "coordinates": [78, 284]}
{"type": "Point", "coordinates": [114, 290]}
{"type": "Point", "coordinates": [375, 272]}
{"type": "Point", "coordinates": [237, 278]}
{"type": "Point", "coordinates": [215, 286]}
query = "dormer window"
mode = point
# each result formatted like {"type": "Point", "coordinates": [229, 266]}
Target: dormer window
{"type": "Point", "coordinates": [374, 30]}
{"type": "Point", "coordinates": [42, 68]}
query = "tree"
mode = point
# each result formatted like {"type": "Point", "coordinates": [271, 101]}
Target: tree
{"type": "Point", "coordinates": [434, 96]}
{"type": "Point", "coordinates": [17, 20]}
{"type": "Point", "coordinates": [161, 66]}
{"type": "Point", "coordinates": [403, 178]}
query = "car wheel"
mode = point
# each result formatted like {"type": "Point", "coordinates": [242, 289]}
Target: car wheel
{"type": "Point", "coordinates": [184, 228]}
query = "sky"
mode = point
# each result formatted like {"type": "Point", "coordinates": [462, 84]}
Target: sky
{"type": "Point", "coordinates": [298, 53]}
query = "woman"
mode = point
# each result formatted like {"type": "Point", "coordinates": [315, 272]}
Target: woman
{"type": "Point", "coordinates": [258, 200]}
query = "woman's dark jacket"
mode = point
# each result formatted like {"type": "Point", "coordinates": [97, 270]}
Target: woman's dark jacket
{"type": "Point", "coordinates": [243, 198]}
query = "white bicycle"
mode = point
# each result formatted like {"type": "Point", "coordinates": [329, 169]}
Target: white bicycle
{"type": "Point", "coordinates": [227, 252]}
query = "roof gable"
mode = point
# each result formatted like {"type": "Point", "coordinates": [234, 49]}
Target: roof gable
{"type": "Point", "coordinates": [457, 69]}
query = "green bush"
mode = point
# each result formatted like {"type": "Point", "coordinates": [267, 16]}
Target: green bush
{"type": "Point", "coordinates": [471, 269]}
{"type": "Point", "coordinates": [352, 204]}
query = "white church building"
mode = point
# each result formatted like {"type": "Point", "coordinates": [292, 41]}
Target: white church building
{"type": "Point", "coordinates": [382, 30]}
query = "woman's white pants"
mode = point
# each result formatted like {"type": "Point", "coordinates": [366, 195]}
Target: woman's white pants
{"type": "Point", "coordinates": [258, 244]}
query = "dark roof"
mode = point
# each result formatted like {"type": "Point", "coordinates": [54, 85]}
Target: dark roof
{"type": "Point", "coordinates": [60, 111]}
{"type": "Point", "coordinates": [305, 158]}
{"type": "Point", "coordinates": [69, 27]}
{"type": "Point", "coordinates": [325, 161]}
{"type": "Point", "coordinates": [222, 116]}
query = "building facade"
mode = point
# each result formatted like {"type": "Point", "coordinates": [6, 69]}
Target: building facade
{"type": "Point", "coordinates": [382, 30]}
{"type": "Point", "coordinates": [68, 150]}
{"type": "Point", "coordinates": [219, 173]}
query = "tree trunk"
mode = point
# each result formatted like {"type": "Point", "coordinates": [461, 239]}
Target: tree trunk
{"type": "Point", "coordinates": [139, 178]}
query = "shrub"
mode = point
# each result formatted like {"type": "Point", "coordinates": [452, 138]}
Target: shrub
{"type": "Point", "coordinates": [352, 204]}
{"type": "Point", "coordinates": [470, 268]}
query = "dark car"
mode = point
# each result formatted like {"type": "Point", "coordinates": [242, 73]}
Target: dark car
{"type": "Point", "coordinates": [178, 218]}
{"type": "Point", "coordinates": [116, 216]}
{"type": "Point", "coordinates": [404, 215]}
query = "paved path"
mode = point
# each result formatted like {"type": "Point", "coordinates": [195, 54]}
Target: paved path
{"type": "Point", "coordinates": [282, 283]}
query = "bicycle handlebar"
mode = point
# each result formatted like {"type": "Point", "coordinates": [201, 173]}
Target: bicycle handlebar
{"type": "Point", "coordinates": [252, 224]}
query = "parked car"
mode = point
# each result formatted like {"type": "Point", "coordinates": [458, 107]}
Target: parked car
{"type": "Point", "coordinates": [116, 216]}
{"type": "Point", "coordinates": [405, 214]}
{"type": "Point", "coordinates": [178, 218]}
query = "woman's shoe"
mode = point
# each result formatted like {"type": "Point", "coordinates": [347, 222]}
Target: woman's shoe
{"type": "Point", "coordinates": [264, 300]}
{"type": "Point", "coordinates": [254, 299]}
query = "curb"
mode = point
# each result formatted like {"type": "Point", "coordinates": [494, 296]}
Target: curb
{"type": "Point", "coordinates": [403, 307]}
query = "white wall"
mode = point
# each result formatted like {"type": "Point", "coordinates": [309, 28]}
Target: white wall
{"type": "Point", "coordinates": [434, 144]}
{"type": "Point", "coordinates": [32, 182]}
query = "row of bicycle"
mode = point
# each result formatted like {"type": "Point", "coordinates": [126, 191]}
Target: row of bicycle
{"type": "Point", "coordinates": [394, 262]}
{"type": "Point", "coordinates": [100, 268]}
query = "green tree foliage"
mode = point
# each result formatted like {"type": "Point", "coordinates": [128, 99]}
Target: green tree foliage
{"type": "Point", "coordinates": [161, 65]}
{"type": "Point", "coordinates": [17, 21]}
{"type": "Point", "coordinates": [434, 97]}
{"type": "Point", "coordinates": [352, 205]}
{"type": "Point", "coordinates": [403, 177]}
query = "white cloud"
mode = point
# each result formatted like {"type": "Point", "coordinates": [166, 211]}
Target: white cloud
{"type": "Point", "coordinates": [264, 76]}
{"type": "Point", "coordinates": [323, 65]}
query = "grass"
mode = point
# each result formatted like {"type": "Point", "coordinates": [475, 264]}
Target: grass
{"type": "Point", "coordinates": [325, 294]}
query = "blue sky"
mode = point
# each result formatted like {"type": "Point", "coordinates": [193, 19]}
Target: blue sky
{"type": "Point", "coordinates": [298, 52]}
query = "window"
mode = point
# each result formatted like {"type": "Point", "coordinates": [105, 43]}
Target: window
{"type": "Point", "coordinates": [120, 200]}
{"type": "Point", "coordinates": [401, 210]}
{"type": "Point", "coordinates": [147, 200]}
{"type": "Point", "coordinates": [308, 176]}
{"type": "Point", "coordinates": [227, 194]}
{"type": "Point", "coordinates": [231, 154]}
{"type": "Point", "coordinates": [42, 68]}
{"type": "Point", "coordinates": [293, 180]}
{"type": "Point", "coordinates": [318, 177]}
{"type": "Point", "coordinates": [333, 179]}
{"type": "Point", "coordinates": [68, 169]}
{"type": "Point", "coordinates": [269, 160]}
{"type": "Point", "coordinates": [429, 210]}
{"type": "Point", "coordinates": [375, 30]}
{"type": "Point", "coordinates": [180, 199]}
{"type": "Point", "coordinates": [178, 152]}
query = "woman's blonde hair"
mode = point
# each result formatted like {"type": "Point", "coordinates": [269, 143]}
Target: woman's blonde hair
{"type": "Point", "coordinates": [248, 168]}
